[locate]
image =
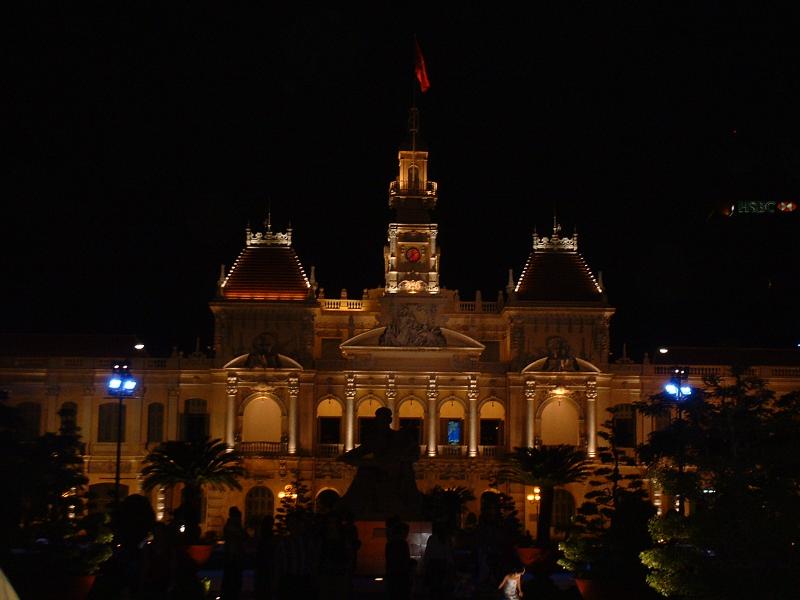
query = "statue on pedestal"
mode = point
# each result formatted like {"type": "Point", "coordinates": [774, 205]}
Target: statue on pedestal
{"type": "Point", "coordinates": [384, 485]}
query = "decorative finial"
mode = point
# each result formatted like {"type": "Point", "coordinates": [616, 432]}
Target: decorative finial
{"type": "Point", "coordinates": [313, 278]}
{"type": "Point", "coordinates": [221, 275]}
{"type": "Point", "coordinates": [510, 284]}
{"type": "Point", "coordinates": [268, 222]}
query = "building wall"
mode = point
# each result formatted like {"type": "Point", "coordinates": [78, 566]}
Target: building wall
{"type": "Point", "coordinates": [51, 381]}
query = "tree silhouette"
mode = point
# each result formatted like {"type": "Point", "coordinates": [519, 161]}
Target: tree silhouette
{"type": "Point", "coordinates": [546, 467]}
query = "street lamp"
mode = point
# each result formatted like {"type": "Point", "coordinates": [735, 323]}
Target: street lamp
{"type": "Point", "coordinates": [121, 384]}
{"type": "Point", "coordinates": [678, 388]}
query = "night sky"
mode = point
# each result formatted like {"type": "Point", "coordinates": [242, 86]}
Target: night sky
{"type": "Point", "coordinates": [141, 142]}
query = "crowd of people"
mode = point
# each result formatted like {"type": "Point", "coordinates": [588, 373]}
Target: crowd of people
{"type": "Point", "coordinates": [315, 556]}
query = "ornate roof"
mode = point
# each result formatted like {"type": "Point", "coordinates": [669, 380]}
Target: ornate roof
{"type": "Point", "coordinates": [266, 269]}
{"type": "Point", "coordinates": [556, 272]}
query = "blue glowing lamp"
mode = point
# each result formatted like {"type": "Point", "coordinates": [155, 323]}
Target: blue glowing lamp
{"type": "Point", "coordinates": [676, 386]}
{"type": "Point", "coordinates": [122, 382]}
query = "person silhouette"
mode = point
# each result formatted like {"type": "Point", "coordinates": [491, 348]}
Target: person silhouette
{"type": "Point", "coordinates": [234, 536]}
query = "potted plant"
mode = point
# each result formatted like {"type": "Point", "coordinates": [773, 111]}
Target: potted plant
{"type": "Point", "coordinates": [610, 527]}
{"type": "Point", "coordinates": [193, 465]}
{"type": "Point", "coordinates": [83, 553]}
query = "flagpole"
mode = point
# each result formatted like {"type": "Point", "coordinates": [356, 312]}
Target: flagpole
{"type": "Point", "coordinates": [414, 102]}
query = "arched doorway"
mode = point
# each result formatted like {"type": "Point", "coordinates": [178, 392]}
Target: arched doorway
{"type": "Point", "coordinates": [261, 421]}
{"type": "Point", "coordinates": [560, 423]}
{"type": "Point", "coordinates": [326, 500]}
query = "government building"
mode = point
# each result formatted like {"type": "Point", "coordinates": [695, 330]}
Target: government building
{"type": "Point", "coordinates": [297, 376]}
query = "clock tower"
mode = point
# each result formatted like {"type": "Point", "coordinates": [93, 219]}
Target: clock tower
{"type": "Point", "coordinates": [412, 255]}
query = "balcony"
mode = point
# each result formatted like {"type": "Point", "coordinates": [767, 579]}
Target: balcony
{"type": "Point", "coordinates": [412, 188]}
{"type": "Point", "coordinates": [329, 450]}
{"type": "Point", "coordinates": [490, 451]}
{"type": "Point", "coordinates": [451, 451]}
{"type": "Point", "coordinates": [251, 449]}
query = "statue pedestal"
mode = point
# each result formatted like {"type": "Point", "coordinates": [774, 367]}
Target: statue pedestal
{"type": "Point", "coordinates": [372, 554]}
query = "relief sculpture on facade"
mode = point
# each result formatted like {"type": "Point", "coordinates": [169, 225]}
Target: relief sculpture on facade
{"type": "Point", "coordinates": [559, 356]}
{"type": "Point", "coordinates": [263, 354]}
{"type": "Point", "coordinates": [412, 325]}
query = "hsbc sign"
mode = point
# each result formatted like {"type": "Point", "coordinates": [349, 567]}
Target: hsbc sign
{"type": "Point", "coordinates": [755, 208]}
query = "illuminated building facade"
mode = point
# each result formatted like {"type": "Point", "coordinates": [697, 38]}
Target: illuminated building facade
{"type": "Point", "coordinates": [297, 376]}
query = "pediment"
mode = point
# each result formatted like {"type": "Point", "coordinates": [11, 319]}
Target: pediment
{"type": "Point", "coordinates": [568, 365]}
{"type": "Point", "coordinates": [250, 361]}
{"type": "Point", "coordinates": [455, 352]}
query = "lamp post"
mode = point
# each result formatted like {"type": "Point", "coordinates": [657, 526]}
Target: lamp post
{"type": "Point", "coordinates": [121, 385]}
{"type": "Point", "coordinates": [679, 389]}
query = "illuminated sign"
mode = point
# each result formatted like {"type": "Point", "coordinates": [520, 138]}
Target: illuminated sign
{"type": "Point", "coordinates": [754, 208]}
{"type": "Point", "coordinates": [760, 208]}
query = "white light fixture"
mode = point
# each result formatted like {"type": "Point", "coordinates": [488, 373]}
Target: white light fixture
{"type": "Point", "coordinates": [663, 350]}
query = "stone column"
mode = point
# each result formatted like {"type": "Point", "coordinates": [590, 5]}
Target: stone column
{"type": "Point", "coordinates": [51, 423]}
{"type": "Point", "coordinates": [433, 396]}
{"type": "Point", "coordinates": [530, 412]}
{"type": "Point", "coordinates": [591, 417]}
{"type": "Point", "coordinates": [472, 400]}
{"type": "Point", "coordinates": [391, 399]}
{"type": "Point", "coordinates": [349, 411]}
{"type": "Point", "coordinates": [231, 390]}
{"type": "Point", "coordinates": [294, 394]}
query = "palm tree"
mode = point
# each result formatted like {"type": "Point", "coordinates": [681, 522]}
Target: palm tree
{"type": "Point", "coordinates": [195, 465]}
{"type": "Point", "coordinates": [546, 467]}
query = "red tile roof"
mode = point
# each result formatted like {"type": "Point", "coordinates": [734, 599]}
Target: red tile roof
{"type": "Point", "coordinates": [266, 272]}
{"type": "Point", "coordinates": [557, 275]}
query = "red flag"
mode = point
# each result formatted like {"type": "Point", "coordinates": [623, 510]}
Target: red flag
{"type": "Point", "coordinates": [419, 69]}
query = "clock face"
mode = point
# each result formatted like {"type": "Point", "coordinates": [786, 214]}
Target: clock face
{"type": "Point", "coordinates": [413, 254]}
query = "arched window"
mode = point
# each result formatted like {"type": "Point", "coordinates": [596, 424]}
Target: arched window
{"type": "Point", "coordinates": [492, 421]}
{"type": "Point", "coordinates": [69, 417]}
{"type": "Point", "coordinates": [30, 415]}
{"type": "Point", "coordinates": [258, 503]}
{"type": "Point", "coordinates": [107, 422]}
{"type": "Point", "coordinates": [563, 509]}
{"type": "Point", "coordinates": [413, 178]}
{"type": "Point", "coordinates": [625, 425]}
{"type": "Point", "coordinates": [155, 422]}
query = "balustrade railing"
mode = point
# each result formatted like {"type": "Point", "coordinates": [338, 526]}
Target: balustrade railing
{"type": "Point", "coordinates": [329, 450]}
{"type": "Point", "coordinates": [262, 448]}
{"type": "Point", "coordinates": [451, 450]}
{"type": "Point", "coordinates": [471, 307]}
{"type": "Point", "coordinates": [427, 188]}
{"type": "Point", "coordinates": [341, 304]}
{"type": "Point", "coordinates": [489, 451]}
